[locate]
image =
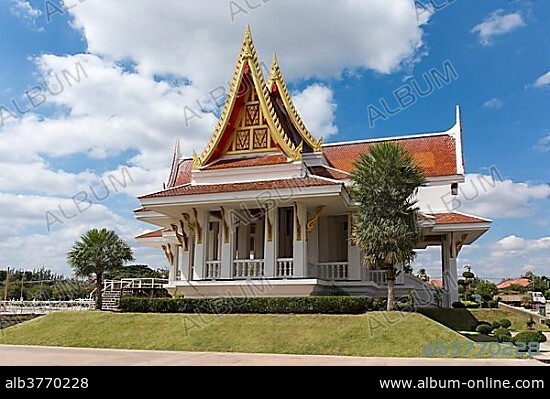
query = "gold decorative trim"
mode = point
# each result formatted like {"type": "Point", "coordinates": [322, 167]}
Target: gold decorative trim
{"type": "Point", "coordinates": [248, 57]}
{"type": "Point", "coordinates": [277, 78]}
{"type": "Point", "coordinates": [196, 231]}
{"type": "Point", "coordinates": [298, 224]}
{"type": "Point", "coordinates": [225, 226]}
{"type": "Point", "coordinates": [352, 224]}
{"type": "Point", "coordinates": [199, 227]}
{"type": "Point", "coordinates": [181, 237]}
{"type": "Point", "coordinates": [169, 254]}
{"type": "Point", "coordinates": [314, 220]}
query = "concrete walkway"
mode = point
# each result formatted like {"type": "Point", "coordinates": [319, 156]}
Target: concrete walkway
{"type": "Point", "coordinates": [46, 356]}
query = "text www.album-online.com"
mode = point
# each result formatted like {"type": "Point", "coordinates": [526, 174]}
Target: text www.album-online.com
{"type": "Point", "coordinates": [487, 383]}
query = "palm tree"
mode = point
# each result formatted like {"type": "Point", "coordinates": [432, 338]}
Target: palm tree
{"type": "Point", "coordinates": [385, 181]}
{"type": "Point", "coordinates": [97, 252]}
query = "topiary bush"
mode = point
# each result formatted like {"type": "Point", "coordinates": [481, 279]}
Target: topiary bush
{"type": "Point", "coordinates": [484, 328]}
{"type": "Point", "coordinates": [505, 323]}
{"type": "Point", "coordinates": [311, 305]}
{"type": "Point", "coordinates": [458, 305]}
{"type": "Point", "coordinates": [503, 335]}
{"type": "Point", "coordinates": [527, 338]}
{"type": "Point", "coordinates": [496, 325]}
{"type": "Point", "coordinates": [492, 304]}
{"type": "Point", "coordinates": [471, 305]}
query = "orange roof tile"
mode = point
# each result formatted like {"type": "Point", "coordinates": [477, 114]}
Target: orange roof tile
{"type": "Point", "coordinates": [184, 176]}
{"type": "Point", "coordinates": [238, 187]}
{"type": "Point", "coordinates": [265, 160]}
{"type": "Point", "coordinates": [436, 283]}
{"type": "Point", "coordinates": [457, 218]}
{"type": "Point", "coordinates": [329, 173]}
{"type": "Point", "coordinates": [436, 154]}
{"type": "Point", "coordinates": [152, 234]}
{"type": "Point", "coordinates": [522, 282]}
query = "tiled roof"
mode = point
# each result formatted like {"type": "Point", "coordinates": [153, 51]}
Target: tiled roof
{"type": "Point", "coordinates": [436, 154]}
{"type": "Point", "coordinates": [436, 283]}
{"type": "Point", "coordinates": [457, 218]}
{"type": "Point", "coordinates": [522, 282]}
{"type": "Point", "coordinates": [329, 173]}
{"type": "Point", "coordinates": [184, 173]}
{"type": "Point", "coordinates": [264, 160]}
{"type": "Point", "coordinates": [153, 234]}
{"type": "Point", "coordinates": [238, 187]}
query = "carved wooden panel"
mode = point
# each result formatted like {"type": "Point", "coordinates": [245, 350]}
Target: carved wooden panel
{"type": "Point", "coordinates": [260, 139]}
{"type": "Point", "coordinates": [243, 140]}
{"type": "Point", "coordinates": [252, 116]}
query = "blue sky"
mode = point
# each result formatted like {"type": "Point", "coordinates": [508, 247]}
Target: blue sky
{"type": "Point", "coordinates": [121, 114]}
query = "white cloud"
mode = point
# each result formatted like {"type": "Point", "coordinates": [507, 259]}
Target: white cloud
{"type": "Point", "coordinates": [191, 38]}
{"type": "Point", "coordinates": [23, 10]}
{"type": "Point", "coordinates": [543, 81]}
{"type": "Point", "coordinates": [488, 196]}
{"type": "Point", "coordinates": [112, 111]}
{"type": "Point", "coordinates": [317, 107]}
{"type": "Point", "coordinates": [497, 24]}
{"type": "Point", "coordinates": [494, 103]}
{"type": "Point", "coordinates": [544, 144]}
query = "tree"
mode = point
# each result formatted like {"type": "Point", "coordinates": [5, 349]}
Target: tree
{"type": "Point", "coordinates": [423, 275]}
{"type": "Point", "coordinates": [387, 229]}
{"type": "Point", "coordinates": [98, 252]}
{"type": "Point", "coordinates": [487, 290]}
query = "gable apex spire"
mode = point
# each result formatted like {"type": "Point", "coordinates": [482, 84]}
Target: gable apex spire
{"type": "Point", "coordinates": [248, 71]}
{"type": "Point", "coordinates": [277, 83]}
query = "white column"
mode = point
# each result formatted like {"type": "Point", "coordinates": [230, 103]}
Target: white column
{"type": "Point", "coordinates": [184, 264]}
{"type": "Point", "coordinates": [450, 272]}
{"type": "Point", "coordinates": [300, 242]}
{"type": "Point", "coordinates": [313, 251]}
{"type": "Point", "coordinates": [201, 243]}
{"type": "Point", "coordinates": [228, 246]}
{"type": "Point", "coordinates": [354, 255]}
{"type": "Point", "coordinates": [271, 237]}
{"type": "Point", "coordinates": [173, 272]}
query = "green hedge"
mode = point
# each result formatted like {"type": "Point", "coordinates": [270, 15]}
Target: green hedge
{"type": "Point", "coordinates": [310, 305]}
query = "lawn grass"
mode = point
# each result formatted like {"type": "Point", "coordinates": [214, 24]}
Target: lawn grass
{"type": "Point", "coordinates": [370, 335]}
{"type": "Point", "coordinates": [467, 319]}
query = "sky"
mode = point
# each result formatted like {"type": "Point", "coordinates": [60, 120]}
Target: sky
{"type": "Point", "coordinates": [94, 94]}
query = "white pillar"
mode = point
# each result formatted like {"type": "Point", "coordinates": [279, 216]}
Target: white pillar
{"type": "Point", "coordinates": [354, 254]}
{"type": "Point", "coordinates": [450, 272]}
{"type": "Point", "coordinates": [271, 237]}
{"type": "Point", "coordinates": [300, 241]}
{"type": "Point", "coordinates": [313, 251]}
{"type": "Point", "coordinates": [201, 243]}
{"type": "Point", "coordinates": [184, 264]}
{"type": "Point", "coordinates": [173, 274]}
{"type": "Point", "coordinates": [228, 245]}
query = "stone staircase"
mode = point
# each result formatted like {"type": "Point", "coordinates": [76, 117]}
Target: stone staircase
{"type": "Point", "coordinates": [111, 300]}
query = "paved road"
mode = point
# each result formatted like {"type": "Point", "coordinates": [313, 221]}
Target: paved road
{"type": "Point", "coordinates": [46, 356]}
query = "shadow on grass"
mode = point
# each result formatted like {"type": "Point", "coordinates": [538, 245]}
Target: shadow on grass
{"type": "Point", "coordinates": [455, 319]}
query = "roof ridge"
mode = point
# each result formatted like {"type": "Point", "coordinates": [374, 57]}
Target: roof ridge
{"type": "Point", "coordinates": [383, 139]}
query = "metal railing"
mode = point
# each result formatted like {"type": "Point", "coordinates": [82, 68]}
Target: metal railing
{"type": "Point", "coordinates": [45, 307]}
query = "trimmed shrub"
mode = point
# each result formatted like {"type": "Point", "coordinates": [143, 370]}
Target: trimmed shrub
{"type": "Point", "coordinates": [503, 335]}
{"type": "Point", "coordinates": [529, 337]}
{"type": "Point", "coordinates": [458, 305]}
{"type": "Point", "coordinates": [471, 305]}
{"type": "Point", "coordinates": [496, 325]}
{"type": "Point", "coordinates": [379, 304]}
{"type": "Point", "coordinates": [310, 305]}
{"type": "Point", "coordinates": [505, 323]}
{"type": "Point", "coordinates": [484, 328]}
{"type": "Point", "coordinates": [492, 304]}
